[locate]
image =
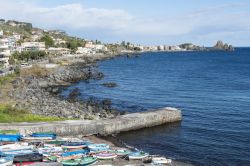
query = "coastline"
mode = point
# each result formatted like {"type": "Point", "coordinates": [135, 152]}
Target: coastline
{"type": "Point", "coordinates": [41, 94]}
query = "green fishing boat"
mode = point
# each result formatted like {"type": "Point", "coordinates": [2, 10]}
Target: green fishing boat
{"type": "Point", "coordinates": [121, 152]}
{"type": "Point", "coordinates": [80, 162]}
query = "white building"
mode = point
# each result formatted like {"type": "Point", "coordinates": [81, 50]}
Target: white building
{"type": "Point", "coordinates": [4, 54]}
{"type": "Point", "coordinates": [1, 33]}
{"type": "Point", "coordinates": [89, 44]}
{"type": "Point", "coordinates": [8, 43]}
{"type": "Point", "coordinates": [58, 51]}
{"type": "Point", "coordinates": [59, 41]}
{"type": "Point", "coordinates": [17, 36]}
{"type": "Point", "coordinates": [32, 46]}
{"type": "Point", "coordinates": [85, 50]}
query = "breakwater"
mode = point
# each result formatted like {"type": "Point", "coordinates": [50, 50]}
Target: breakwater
{"type": "Point", "coordinates": [121, 123]}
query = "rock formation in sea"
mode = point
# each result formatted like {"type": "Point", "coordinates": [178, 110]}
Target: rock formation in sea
{"type": "Point", "coordinates": [221, 46]}
{"type": "Point", "coordinates": [192, 47]}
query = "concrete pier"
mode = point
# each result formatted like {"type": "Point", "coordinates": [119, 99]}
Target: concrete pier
{"type": "Point", "coordinates": [132, 121]}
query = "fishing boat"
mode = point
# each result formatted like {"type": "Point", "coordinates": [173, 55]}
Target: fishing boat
{"type": "Point", "coordinates": [16, 146]}
{"type": "Point", "coordinates": [6, 161]}
{"type": "Point", "coordinates": [37, 138]}
{"type": "Point", "coordinates": [27, 157]}
{"type": "Point", "coordinates": [44, 134]}
{"type": "Point", "coordinates": [50, 150]}
{"type": "Point", "coordinates": [17, 152]}
{"type": "Point", "coordinates": [54, 143]}
{"type": "Point", "coordinates": [121, 152]}
{"type": "Point", "coordinates": [137, 155]}
{"type": "Point", "coordinates": [160, 160]}
{"type": "Point", "coordinates": [38, 163]}
{"type": "Point", "coordinates": [10, 137]}
{"type": "Point", "coordinates": [25, 163]}
{"type": "Point", "coordinates": [60, 159]}
{"type": "Point", "coordinates": [98, 147]}
{"type": "Point", "coordinates": [78, 152]}
{"type": "Point", "coordinates": [74, 145]}
{"type": "Point", "coordinates": [80, 162]}
{"type": "Point", "coordinates": [51, 158]}
{"type": "Point", "coordinates": [105, 156]}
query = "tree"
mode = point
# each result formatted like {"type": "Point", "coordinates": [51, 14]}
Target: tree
{"type": "Point", "coordinates": [28, 55]}
{"type": "Point", "coordinates": [48, 41]}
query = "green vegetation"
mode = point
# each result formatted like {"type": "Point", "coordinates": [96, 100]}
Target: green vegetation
{"type": "Point", "coordinates": [25, 32]}
{"type": "Point", "coordinates": [9, 114]}
{"type": "Point", "coordinates": [7, 78]}
{"type": "Point", "coordinates": [48, 41]}
{"type": "Point", "coordinates": [29, 55]}
{"type": "Point", "coordinates": [73, 43]}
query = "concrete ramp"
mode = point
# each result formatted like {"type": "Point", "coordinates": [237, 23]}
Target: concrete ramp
{"type": "Point", "coordinates": [132, 121]}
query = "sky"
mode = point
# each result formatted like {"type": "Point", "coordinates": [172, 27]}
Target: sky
{"type": "Point", "coordinates": [148, 22]}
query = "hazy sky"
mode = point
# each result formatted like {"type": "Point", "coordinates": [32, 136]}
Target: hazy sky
{"type": "Point", "coordinates": [149, 22]}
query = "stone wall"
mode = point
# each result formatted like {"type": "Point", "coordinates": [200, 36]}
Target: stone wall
{"type": "Point", "coordinates": [121, 123]}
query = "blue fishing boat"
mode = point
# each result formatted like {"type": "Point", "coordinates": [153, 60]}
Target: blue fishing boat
{"type": "Point", "coordinates": [98, 147]}
{"type": "Point", "coordinates": [78, 152]}
{"type": "Point", "coordinates": [75, 145]}
{"type": "Point", "coordinates": [10, 137]}
{"type": "Point", "coordinates": [52, 135]}
{"type": "Point", "coordinates": [23, 155]}
{"type": "Point", "coordinates": [17, 152]}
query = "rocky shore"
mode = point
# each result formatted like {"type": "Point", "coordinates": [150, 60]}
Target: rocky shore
{"type": "Point", "coordinates": [38, 94]}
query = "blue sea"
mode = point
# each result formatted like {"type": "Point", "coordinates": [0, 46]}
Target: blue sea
{"type": "Point", "coordinates": [211, 88]}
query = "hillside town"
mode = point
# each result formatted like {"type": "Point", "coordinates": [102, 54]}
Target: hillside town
{"type": "Point", "coordinates": [21, 43]}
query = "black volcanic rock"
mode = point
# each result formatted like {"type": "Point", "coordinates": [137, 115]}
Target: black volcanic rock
{"type": "Point", "coordinates": [192, 47]}
{"type": "Point", "coordinates": [225, 47]}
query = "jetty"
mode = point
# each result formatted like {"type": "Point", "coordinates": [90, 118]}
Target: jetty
{"type": "Point", "coordinates": [127, 122]}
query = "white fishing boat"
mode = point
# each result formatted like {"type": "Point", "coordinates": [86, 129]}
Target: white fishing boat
{"type": "Point", "coordinates": [37, 138]}
{"type": "Point", "coordinates": [50, 150]}
{"type": "Point", "coordinates": [160, 160]}
{"type": "Point", "coordinates": [137, 155]}
{"type": "Point", "coordinates": [105, 156]}
{"type": "Point", "coordinates": [17, 146]}
{"type": "Point", "coordinates": [6, 161]}
{"type": "Point", "coordinates": [17, 152]}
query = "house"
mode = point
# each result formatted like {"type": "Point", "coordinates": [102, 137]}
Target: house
{"type": "Point", "coordinates": [100, 47]}
{"type": "Point", "coordinates": [32, 46]}
{"type": "Point", "coordinates": [85, 50]}
{"type": "Point", "coordinates": [8, 43]}
{"type": "Point", "coordinates": [58, 51]}
{"type": "Point", "coordinates": [1, 33]}
{"type": "Point", "coordinates": [35, 38]}
{"type": "Point", "coordinates": [4, 54]}
{"type": "Point", "coordinates": [17, 36]}
{"type": "Point", "coordinates": [89, 44]}
{"type": "Point", "coordinates": [59, 41]}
